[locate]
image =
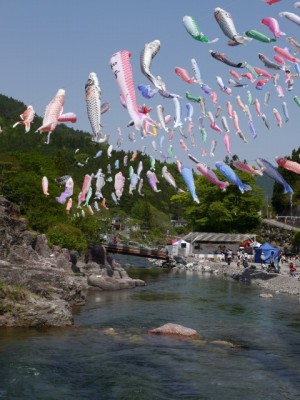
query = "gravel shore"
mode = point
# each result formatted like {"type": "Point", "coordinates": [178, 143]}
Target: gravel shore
{"type": "Point", "coordinates": [271, 282]}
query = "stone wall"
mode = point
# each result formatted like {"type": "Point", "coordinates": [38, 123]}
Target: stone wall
{"type": "Point", "coordinates": [277, 234]}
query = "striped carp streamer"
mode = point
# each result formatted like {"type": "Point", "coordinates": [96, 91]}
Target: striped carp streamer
{"type": "Point", "coordinates": [93, 104]}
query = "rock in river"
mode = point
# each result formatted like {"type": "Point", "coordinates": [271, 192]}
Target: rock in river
{"type": "Point", "coordinates": [175, 329]}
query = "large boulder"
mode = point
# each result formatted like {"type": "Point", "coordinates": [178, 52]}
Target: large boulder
{"type": "Point", "coordinates": [96, 253]}
{"type": "Point", "coordinates": [41, 246]}
{"type": "Point", "coordinates": [110, 283]}
{"type": "Point", "coordinates": [175, 329]}
{"type": "Point", "coordinates": [109, 275]}
{"type": "Point", "coordinates": [37, 287]}
{"type": "Point", "coordinates": [36, 312]}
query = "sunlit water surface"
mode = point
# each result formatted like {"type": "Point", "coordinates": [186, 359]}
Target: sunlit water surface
{"type": "Point", "coordinates": [89, 362]}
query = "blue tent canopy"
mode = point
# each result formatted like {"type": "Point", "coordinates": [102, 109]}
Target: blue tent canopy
{"type": "Point", "coordinates": [266, 248]}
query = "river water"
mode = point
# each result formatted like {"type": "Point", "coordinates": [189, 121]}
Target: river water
{"type": "Point", "coordinates": [88, 361]}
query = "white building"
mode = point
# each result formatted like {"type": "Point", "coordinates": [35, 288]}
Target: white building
{"type": "Point", "coordinates": [178, 248]}
{"type": "Point", "coordinates": [211, 245]}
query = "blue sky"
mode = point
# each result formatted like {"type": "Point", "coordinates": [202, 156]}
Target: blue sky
{"type": "Point", "coordinates": [47, 45]}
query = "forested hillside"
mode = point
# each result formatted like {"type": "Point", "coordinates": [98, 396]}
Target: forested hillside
{"type": "Point", "coordinates": [25, 159]}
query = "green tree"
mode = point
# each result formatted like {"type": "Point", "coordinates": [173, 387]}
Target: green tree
{"type": "Point", "coordinates": [281, 202]}
{"type": "Point", "coordinates": [60, 163]}
{"type": "Point", "coordinates": [157, 222]}
{"type": "Point", "coordinates": [219, 211]}
{"type": "Point", "coordinates": [142, 210]}
{"type": "Point", "coordinates": [67, 236]}
{"type": "Point", "coordinates": [93, 227]}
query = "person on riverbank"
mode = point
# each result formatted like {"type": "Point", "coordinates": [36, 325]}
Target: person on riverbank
{"type": "Point", "coordinates": [229, 256]}
{"type": "Point", "coordinates": [115, 239]}
{"type": "Point", "coordinates": [238, 261]}
{"type": "Point", "coordinates": [273, 266]}
{"type": "Point", "coordinates": [245, 262]}
{"type": "Point", "coordinates": [262, 259]}
{"type": "Point", "coordinates": [245, 258]}
{"type": "Point", "coordinates": [292, 268]}
{"type": "Point", "coordinates": [279, 257]}
{"type": "Point", "coordinates": [272, 259]}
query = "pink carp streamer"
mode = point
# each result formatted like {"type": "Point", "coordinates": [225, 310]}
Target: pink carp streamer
{"type": "Point", "coordinates": [122, 70]}
{"type": "Point", "coordinates": [26, 118]}
{"type": "Point", "coordinates": [271, 2]}
{"type": "Point", "coordinates": [183, 145]}
{"type": "Point", "coordinates": [183, 74]}
{"type": "Point", "coordinates": [209, 174]}
{"type": "Point", "coordinates": [273, 26]}
{"type": "Point", "coordinates": [45, 185]}
{"type": "Point", "coordinates": [285, 54]}
{"type": "Point", "coordinates": [119, 184]}
{"type": "Point", "coordinates": [288, 164]}
{"type": "Point", "coordinates": [69, 205]}
{"type": "Point", "coordinates": [67, 117]}
{"type": "Point", "coordinates": [246, 168]}
{"type": "Point", "coordinates": [278, 117]}
{"type": "Point", "coordinates": [85, 187]}
{"type": "Point", "coordinates": [226, 139]}
{"type": "Point", "coordinates": [53, 113]}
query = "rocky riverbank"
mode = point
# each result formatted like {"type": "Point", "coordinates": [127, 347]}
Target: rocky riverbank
{"type": "Point", "coordinates": [270, 282]}
{"type": "Point", "coordinates": [39, 285]}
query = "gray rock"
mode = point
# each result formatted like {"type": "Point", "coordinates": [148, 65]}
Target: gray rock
{"type": "Point", "coordinates": [38, 313]}
{"type": "Point", "coordinates": [43, 293]}
{"type": "Point", "coordinates": [41, 246]}
{"type": "Point", "coordinates": [97, 254]}
{"type": "Point", "coordinates": [46, 283]}
{"type": "Point", "coordinates": [180, 260]}
{"type": "Point", "coordinates": [111, 283]}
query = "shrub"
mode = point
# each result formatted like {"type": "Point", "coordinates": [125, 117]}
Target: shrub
{"type": "Point", "coordinates": [17, 292]}
{"type": "Point", "coordinates": [67, 236]}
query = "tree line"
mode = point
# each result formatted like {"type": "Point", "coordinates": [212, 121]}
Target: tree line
{"type": "Point", "coordinates": [25, 159]}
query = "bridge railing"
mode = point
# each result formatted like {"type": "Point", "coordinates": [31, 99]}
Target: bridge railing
{"type": "Point", "coordinates": [134, 251]}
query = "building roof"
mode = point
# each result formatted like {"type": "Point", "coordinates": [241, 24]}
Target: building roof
{"type": "Point", "coordinates": [218, 237]}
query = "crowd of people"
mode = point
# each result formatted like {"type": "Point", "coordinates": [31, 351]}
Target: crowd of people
{"type": "Point", "coordinates": [272, 264]}
{"type": "Point", "coordinates": [281, 261]}
{"type": "Point", "coordinates": [241, 257]}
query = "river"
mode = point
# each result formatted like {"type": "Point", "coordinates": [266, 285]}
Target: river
{"type": "Point", "coordinates": [89, 362]}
